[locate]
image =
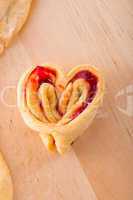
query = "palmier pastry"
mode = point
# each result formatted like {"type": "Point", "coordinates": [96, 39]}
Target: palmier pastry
{"type": "Point", "coordinates": [60, 107]}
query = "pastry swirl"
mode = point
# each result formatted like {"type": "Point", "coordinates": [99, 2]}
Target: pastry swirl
{"type": "Point", "coordinates": [60, 107]}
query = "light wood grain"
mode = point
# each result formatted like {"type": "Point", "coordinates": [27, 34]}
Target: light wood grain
{"type": "Point", "coordinates": [99, 165]}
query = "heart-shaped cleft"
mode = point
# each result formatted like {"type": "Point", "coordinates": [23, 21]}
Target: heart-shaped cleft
{"type": "Point", "coordinates": [60, 107]}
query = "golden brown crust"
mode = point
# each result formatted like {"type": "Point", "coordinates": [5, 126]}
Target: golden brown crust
{"type": "Point", "coordinates": [6, 188]}
{"type": "Point", "coordinates": [60, 127]}
{"type": "Point", "coordinates": [13, 14]}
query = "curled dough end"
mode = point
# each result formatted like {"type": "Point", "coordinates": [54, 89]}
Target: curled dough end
{"type": "Point", "coordinates": [49, 142]}
{"type": "Point", "coordinates": [53, 144]}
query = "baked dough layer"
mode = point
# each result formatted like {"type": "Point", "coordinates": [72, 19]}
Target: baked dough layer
{"type": "Point", "coordinates": [60, 107]}
{"type": "Point", "coordinates": [13, 14]}
{"type": "Point", "coordinates": [6, 188]}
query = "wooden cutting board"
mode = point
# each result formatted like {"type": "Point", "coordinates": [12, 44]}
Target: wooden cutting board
{"type": "Point", "coordinates": [100, 163]}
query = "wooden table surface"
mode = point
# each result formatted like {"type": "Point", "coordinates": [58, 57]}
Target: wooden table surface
{"type": "Point", "coordinates": [100, 163]}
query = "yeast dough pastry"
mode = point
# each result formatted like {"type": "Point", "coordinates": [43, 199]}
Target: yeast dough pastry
{"type": "Point", "coordinates": [60, 107]}
{"type": "Point", "coordinates": [13, 14]}
{"type": "Point", "coordinates": [6, 188]}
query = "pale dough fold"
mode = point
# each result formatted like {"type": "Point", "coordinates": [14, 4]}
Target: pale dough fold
{"type": "Point", "coordinates": [60, 107]}
{"type": "Point", "coordinates": [13, 14]}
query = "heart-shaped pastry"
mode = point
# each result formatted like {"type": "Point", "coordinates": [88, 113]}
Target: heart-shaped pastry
{"type": "Point", "coordinates": [60, 107]}
{"type": "Point", "coordinates": [13, 14]}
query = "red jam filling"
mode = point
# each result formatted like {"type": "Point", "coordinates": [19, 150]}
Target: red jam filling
{"type": "Point", "coordinates": [42, 75]}
{"type": "Point", "coordinates": [46, 75]}
{"type": "Point", "coordinates": [38, 76]}
{"type": "Point", "coordinates": [92, 80]}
